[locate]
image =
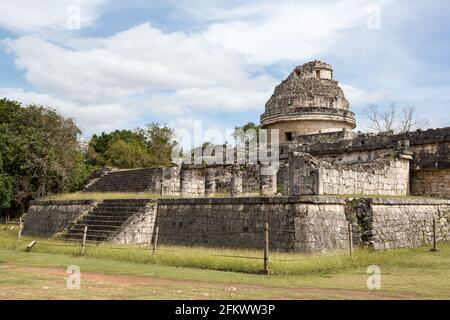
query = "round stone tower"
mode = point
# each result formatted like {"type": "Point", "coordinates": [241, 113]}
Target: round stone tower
{"type": "Point", "coordinates": [308, 101]}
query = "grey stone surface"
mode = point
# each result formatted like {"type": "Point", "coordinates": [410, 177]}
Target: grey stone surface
{"type": "Point", "coordinates": [297, 224]}
{"type": "Point", "coordinates": [138, 228]}
{"type": "Point", "coordinates": [431, 182]}
{"type": "Point", "coordinates": [385, 176]}
{"type": "Point", "coordinates": [47, 218]}
{"type": "Point", "coordinates": [236, 181]}
{"type": "Point", "coordinates": [303, 91]}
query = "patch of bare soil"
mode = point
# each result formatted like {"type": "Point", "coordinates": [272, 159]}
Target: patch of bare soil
{"type": "Point", "coordinates": [127, 281]}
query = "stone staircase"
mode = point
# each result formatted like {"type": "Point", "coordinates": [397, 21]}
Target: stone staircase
{"type": "Point", "coordinates": [140, 180]}
{"type": "Point", "coordinates": [106, 219]}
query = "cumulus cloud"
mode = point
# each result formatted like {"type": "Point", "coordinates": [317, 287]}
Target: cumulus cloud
{"type": "Point", "coordinates": [220, 66]}
{"type": "Point", "coordinates": [142, 58]}
{"type": "Point", "coordinates": [358, 96]}
{"type": "Point", "coordinates": [141, 70]}
{"type": "Point", "coordinates": [91, 118]}
{"type": "Point", "coordinates": [271, 31]}
{"type": "Point", "coordinates": [23, 16]}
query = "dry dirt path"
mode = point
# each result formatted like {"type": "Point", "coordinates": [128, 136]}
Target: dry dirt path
{"type": "Point", "coordinates": [110, 286]}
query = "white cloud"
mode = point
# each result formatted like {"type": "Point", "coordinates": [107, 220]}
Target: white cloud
{"type": "Point", "coordinates": [276, 30]}
{"type": "Point", "coordinates": [192, 132]}
{"type": "Point", "coordinates": [90, 118]}
{"type": "Point", "coordinates": [140, 59]}
{"type": "Point", "coordinates": [358, 96]}
{"type": "Point", "coordinates": [216, 99]}
{"type": "Point", "coordinates": [25, 16]}
{"type": "Point", "coordinates": [111, 82]}
{"type": "Point", "coordinates": [136, 72]}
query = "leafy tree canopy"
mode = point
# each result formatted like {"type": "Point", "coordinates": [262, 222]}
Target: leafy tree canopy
{"type": "Point", "coordinates": [143, 147]}
{"type": "Point", "coordinates": [39, 150]}
{"type": "Point", "coordinates": [248, 133]}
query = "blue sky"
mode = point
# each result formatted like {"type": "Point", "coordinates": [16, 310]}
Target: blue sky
{"type": "Point", "coordinates": [180, 62]}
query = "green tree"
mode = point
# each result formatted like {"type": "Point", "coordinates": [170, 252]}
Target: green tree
{"type": "Point", "coordinates": [6, 189]}
{"type": "Point", "coordinates": [143, 147]}
{"type": "Point", "coordinates": [160, 141]}
{"type": "Point", "coordinates": [39, 150]}
{"type": "Point", "coordinates": [247, 133]}
{"type": "Point", "coordinates": [122, 154]}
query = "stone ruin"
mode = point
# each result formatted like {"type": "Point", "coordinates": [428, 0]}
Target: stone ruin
{"type": "Point", "coordinates": [328, 177]}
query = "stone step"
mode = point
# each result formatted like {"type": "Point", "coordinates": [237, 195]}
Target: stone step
{"type": "Point", "coordinates": [123, 181]}
{"type": "Point", "coordinates": [125, 201]}
{"type": "Point", "coordinates": [99, 223]}
{"type": "Point", "coordinates": [120, 186]}
{"type": "Point", "coordinates": [122, 189]}
{"type": "Point", "coordinates": [117, 211]}
{"type": "Point", "coordinates": [93, 226]}
{"type": "Point", "coordinates": [90, 238]}
{"type": "Point", "coordinates": [139, 180]}
{"type": "Point", "coordinates": [107, 218]}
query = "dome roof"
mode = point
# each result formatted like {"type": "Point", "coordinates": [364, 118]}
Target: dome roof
{"type": "Point", "coordinates": [309, 101]}
{"type": "Point", "coordinates": [308, 85]}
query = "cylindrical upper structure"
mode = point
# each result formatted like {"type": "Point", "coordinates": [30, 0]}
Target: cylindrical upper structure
{"type": "Point", "coordinates": [308, 101]}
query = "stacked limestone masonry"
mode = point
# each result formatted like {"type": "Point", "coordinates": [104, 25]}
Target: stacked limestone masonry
{"type": "Point", "coordinates": [129, 180]}
{"type": "Point", "coordinates": [111, 219]}
{"type": "Point", "coordinates": [297, 224]}
{"type": "Point", "coordinates": [328, 177]}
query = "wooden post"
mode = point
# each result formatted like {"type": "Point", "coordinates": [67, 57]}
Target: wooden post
{"type": "Point", "coordinates": [19, 234]}
{"type": "Point", "coordinates": [350, 238]}
{"type": "Point", "coordinates": [83, 243]}
{"type": "Point", "coordinates": [155, 241]}
{"type": "Point", "coordinates": [266, 249]}
{"type": "Point", "coordinates": [30, 246]}
{"type": "Point", "coordinates": [434, 249]}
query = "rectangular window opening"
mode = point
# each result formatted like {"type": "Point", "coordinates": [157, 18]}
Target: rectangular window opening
{"type": "Point", "coordinates": [288, 136]}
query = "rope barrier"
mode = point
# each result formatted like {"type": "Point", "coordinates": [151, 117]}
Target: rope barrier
{"type": "Point", "coordinates": [96, 233]}
{"type": "Point", "coordinates": [176, 251]}
{"type": "Point", "coordinates": [51, 244]}
{"type": "Point", "coordinates": [310, 258]}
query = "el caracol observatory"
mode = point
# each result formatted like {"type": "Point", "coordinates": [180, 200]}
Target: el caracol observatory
{"type": "Point", "coordinates": [308, 101]}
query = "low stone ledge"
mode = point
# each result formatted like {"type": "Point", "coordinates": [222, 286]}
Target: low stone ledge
{"type": "Point", "coordinates": [61, 202]}
{"type": "Point", "coordinates": [255, 200]}
{"type": "Point", "coordinates": [409, 201]}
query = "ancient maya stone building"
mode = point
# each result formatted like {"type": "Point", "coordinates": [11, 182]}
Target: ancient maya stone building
{"type": "Point", "coordinates": [328, 177]}
{"type": "Point", "coordinates": [308, 101]}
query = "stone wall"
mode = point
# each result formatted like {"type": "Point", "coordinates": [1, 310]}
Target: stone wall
{"type": "Point", "coordinates": [296, 224]}
{"type": "Point", "coordinates": [430, 148]}
{"type": "Point", "coordinates": [222, 178]}
{"type": "Point", "coordinates": [139, 228]}
{"type": "Point", "coordinates": [171, 181]}
{"type": "Point", "coordinates": [201, 180]}
{"type": "Point", "coordinates": [193, 182]}
{"type": "Point", "coordinates": [324, 137]}
{"type": "Point", "coordinates": [310, 176]}
{"type": "Point", "coordinates": [250, 179]}
{"type": "Point", "coordinates": [320, 224]}
{"type": "Point", "coordinates": [435, 182]}
{"type": "Point", "coordinates": [47, 218]}
{"type": "Point", "coordinates": [187, 181]}
{"type": "Point", "coordinates": [395, 223]}
{"type": "Point", "coordinates": [163, 180]}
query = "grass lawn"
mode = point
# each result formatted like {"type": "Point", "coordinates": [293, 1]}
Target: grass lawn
{"type": "Point", "coordinates": [197, 273]}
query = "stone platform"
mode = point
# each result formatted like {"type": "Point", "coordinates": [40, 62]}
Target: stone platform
{"type": "Point", "coordinates": [297, 224]}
